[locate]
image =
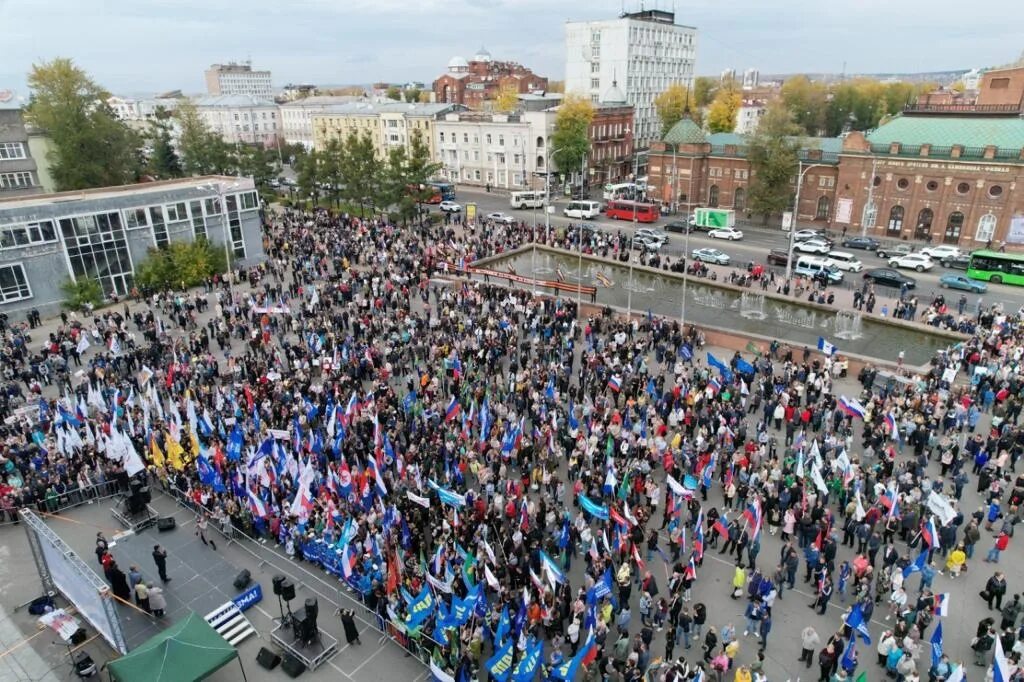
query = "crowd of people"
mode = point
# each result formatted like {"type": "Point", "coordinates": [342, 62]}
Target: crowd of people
{"type": "Point", "coordinates": [497, 477]}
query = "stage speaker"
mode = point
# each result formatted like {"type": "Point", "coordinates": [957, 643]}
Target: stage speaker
{"type": "Point", "coordinates": [305, 627]}
{"type": "Point", "coordinates": [166, 523]}
{"type": "Point", "coordinates": [145, 494]}
{"type": "Point", "coordinates": [292, 666]}
{"type": "Point", "coordinates": [277, 580]}
{"type": "Point", "coordinates": [243, 579]}
{"type": "Point", "coordinates": [287, 590]}
{"type": "Point", "coordinates": [135, 504]}
{"type": "Point", "coordinates": [312, 609]}
{"type": "Point", "coordinates": [79, 636]}
{"type": "Point", "coordinates": [267, 658]}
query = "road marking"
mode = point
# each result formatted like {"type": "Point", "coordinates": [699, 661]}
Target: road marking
{"type": "Point", "coordinates": [368, 659]}
{"type": "Point", "coordinates": [335, 666]}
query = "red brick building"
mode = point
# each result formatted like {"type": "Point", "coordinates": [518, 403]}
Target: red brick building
{"type": "Point", "coordinates": [481, 79]}
{"type": "Point", "coordinates": [611, 139]}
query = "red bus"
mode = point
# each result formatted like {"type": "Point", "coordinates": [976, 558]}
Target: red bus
{"type": "Point", "coordinates": [627, 210]}
{"type": "Point", "coordinates": [431, 193]}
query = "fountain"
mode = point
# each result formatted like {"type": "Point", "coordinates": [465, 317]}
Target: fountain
{"type": "Point", "coordinates": [752, 306]}
{"type": "Point", "coordinates": [797, 317]}
{"type": "Point", "coordinates": [711, 299]}
{"type": "Point", "coordinates": [848, 325]}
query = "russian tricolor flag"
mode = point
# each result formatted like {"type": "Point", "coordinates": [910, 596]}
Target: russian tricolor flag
{"type": "Point", "coordinates": [615, 383]}
{"type": "Point", "coordinates": [452, 411]}
{"type": "Point", "coordinates": [851, 407]}
{"type": "Point", "coordinates": [890, 423]}
{"type": "Point", "coordinates": [929, 533]}
{"type": "Point", "coordinates": [720, 528]}
{"type": "Point", "coordinates": [256, 505]}
{"type": "Point", "coordinates": [941, 606]}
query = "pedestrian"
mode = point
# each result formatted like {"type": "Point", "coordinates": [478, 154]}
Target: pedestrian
{"type": "Point", "coordinates": [202, 524]}
{"type": "Point", "coordinates": [160, 559]}
{"type": "Point", "coordinates": [157, 602]}
{"type": "Point", "coordinates": [142, 596]}
{"type": "Point", "coordinates": [348, 622]}
{"type": "Point", "coordinates": [119, 582]}
{"type": "Point", "coordinates": [994, 590]}
{"type": "Point", "coordinates": [809, 641]}
{"type": "Point", "coordinates": [1001, 543]}
{"type": "Point", "coordinates": [101, 547]}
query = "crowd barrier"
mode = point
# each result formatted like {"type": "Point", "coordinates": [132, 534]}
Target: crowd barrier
{"type": "Point", "coordinates": [69, 500]}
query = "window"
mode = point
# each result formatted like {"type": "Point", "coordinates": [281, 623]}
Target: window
{"type": "Point", "coordinates": [488, 137]}
{"type": "Point", "coordinates": [12, 150]}
{"type": "Point", "coordinates": [931, 186]}
{"type": "Point", "coordinates": [822, 210]}
{"type": "Point", "coordinates": [442, 137]}
{"type": "Point", "coordinates": [999, 83]}
{"type": "Point", "coordinates": [97, 248]}
{"type": "Point", "coordinates": [954, 224]}
{"type": "Point", "coordinates": [896, 219]}
{"type": "Point", "coordinates": [826, 181]}
{"type": "Point", "coordinates": [249, 201]}
{"type": "Point", "coordinates": [212, 206]}
{"type": "Point", "coordinates": [135, 217]}
{"type": "Point", "coordinates": [540, 143]}
{"type": "Point", "coordinates": [924, 223]}
{"type": "Point", "coordinates": [195, 208]}
{"type": "Point", "coordinates": [986, 228]}
{"type": "Point", "coordinates": [713, 196]}
{"type": "Point", "coordinates": [902, 183]}
{"type": "Point", "coordinates": [156, 215]}
{"type": "Point", "coordinates": [963, 188]}
{"type": "Point", "coordinates": [501, 140]}
{"type": "Point", "coordinates": [393, 138]}
{"type": "Point", "coordinates": [465, 138]}
{"type": "Point", "coordinates": [15, 180]}
{"type": "Point", "coordinates": [175, 212]}
{"type": "Point", "coordinates": [739, 199]}
{"type": "Point", "coordinates": [13, 283]}
{"type": "Point", "coordinates": [595, 83]}
{"type": "Point", "coordinates": [877, 181]}
{"type": "Point", "coordinates": [995, 191]}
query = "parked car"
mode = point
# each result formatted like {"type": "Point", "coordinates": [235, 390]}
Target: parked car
{"type": "Point", "coordinates": [677, 226]}
{"type": "Point", "coordinates": [804, 235]}
{"type": "Point", "coordinates": [729, 233]}
{"type": "Point", "coordinates": [912, 261]}
{"type": "Point", "coordinates": [812, 246]}
{"type": "Point", "coordinates": [645, 242]}
{"type": "Point", "coordinates": [963, 283]}
{"type": "Point", "coordinates": [866, 243]}
{"type": "Point", "coordinates": [941, 251]}
{"type": "Point", "coordinates": [898, 250]}
{"type": "Point", "coordinates": [778, 257]}
{"type": "Point", "coordinates": [956, 262]}
{"type": "Point", "coordinates": [651, 233]}
{"type": "Point", "coordinates": [845, 261]}
{"type": "Point", "coordinates": [500, 217]}
{"type": "Point", "coordinates": [889, 277]}
{"type": "Point", "coordinates": [710, 255]}
{"type": "Point", "coordinates": [449, 207]}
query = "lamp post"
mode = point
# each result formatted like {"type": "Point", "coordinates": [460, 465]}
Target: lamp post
{"type": "Point", "coordinates": [629, 254]}
{"type": "Point", "coordinates": [219, 188]}
{"type": "Point", "coordinates": [796, 213]}
{"type": "Point", "coordinates": [547, 211]}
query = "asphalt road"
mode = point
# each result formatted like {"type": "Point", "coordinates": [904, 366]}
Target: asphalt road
{"type": "Point", "coordinates": [753, 247]}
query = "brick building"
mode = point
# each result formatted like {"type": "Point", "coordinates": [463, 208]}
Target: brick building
{"type": "Point", "coordinates": [480, 80]}
{"type": "Point", "coordinates": [611, 138]}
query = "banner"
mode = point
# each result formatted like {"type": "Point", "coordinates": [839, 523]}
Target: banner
{"type": "Point", "coordinates": [941, 507]}
{"type": "Point", "coordinates": [593, 508]}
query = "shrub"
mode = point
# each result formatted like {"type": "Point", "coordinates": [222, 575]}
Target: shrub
{"type": "Point", "coordinates": [180, 265]}
{"type": "Point", "coordinates": [84, 290]}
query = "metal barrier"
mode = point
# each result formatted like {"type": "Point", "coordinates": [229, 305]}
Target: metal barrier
{"type": "Point", "coordinates": [421, 651]}
{"type": "Point", "coordinates": [68, 500]}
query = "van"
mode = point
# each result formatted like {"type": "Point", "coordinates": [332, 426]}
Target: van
{"type": "Point", "coordinates": [529, 199]}
{"type": "Point", "coordinates": [809, 266]}
{"type": "Point", "coordinates": [582, 209]}
{"type": "Point", "coordinates": [845, 261]}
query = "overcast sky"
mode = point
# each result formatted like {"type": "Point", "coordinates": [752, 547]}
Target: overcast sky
{"type": "Point", "coordinates": [142, 46]}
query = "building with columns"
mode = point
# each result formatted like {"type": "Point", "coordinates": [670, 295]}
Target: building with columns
{"type": "Point", "coordinates": [501, 150]}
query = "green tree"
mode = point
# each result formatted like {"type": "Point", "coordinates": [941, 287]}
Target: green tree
{"type": "Point", "coordinates": [308, 176]}
{"type": "Point", "coordinates": [332, 159]}
{"type": "Point", "coordinates": [773, 153]}
{"type": "Point", "coordinates": [259, 163]}
{"type": "Point", "coordinates": [724, 109]}
{"type": "Point", "coordinates": [394, 183]}
{"type": "Point", "coordinates": [91, 147]}
{"type": "Point", "coordinates": [84, 290]}
{"type": "Point", "coordinates": [571, 137]}
{"type": "Point", "coordinates": [807, 101]}
{"type": "Point", "coordinates": [420, 168]}
{"type": "Point", "coordinates": [412, 95]}
{"type": "Point", "coordinates": [361, 172]}
{"type": "Point", "coordinates": [672, 104]}
{"type": "Point", "coordinates": [203, 152]}
{"type": "Point", "coordinates": [704, 89]}
{"type": "Point", "coordinates": [394, 92]}
{"type": "Point", "coordinates": [179, 265]}
{"type": "Point", "coordinates": [163, 160]}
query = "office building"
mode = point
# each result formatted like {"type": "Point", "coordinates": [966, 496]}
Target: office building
{"type": "Point", "coordinates": [240, 118]}
{"type": "Point", "coordinates": [389, 124]}
{"type": "Point", "coordinates": [297, 116]}
{"type": "Point", "coordinates": [751, 79]}
{"type": "Point", "coordinates": [501, 150]}
{"type": "Point", "coordinates": [105, 233]}
{"type": "Point", "coordinates": [643, 52]}
{"type": "Point", "coordinates": [19, 174]}
{"type": "Point", "coordinates": [238, 79]}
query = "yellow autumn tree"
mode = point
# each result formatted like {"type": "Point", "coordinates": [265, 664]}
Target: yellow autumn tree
{"type": "Point", "coordinates": [671, 105]}
{"type": "Point", "coordinates": [723, 110]}
{"type": "Point", "coordinates": [507, 99]}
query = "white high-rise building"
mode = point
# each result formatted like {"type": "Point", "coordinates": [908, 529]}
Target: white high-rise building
{"type": "Point", "coordinates": [238, 79]}
{"type": "Point", "coordinates": [642, 52]}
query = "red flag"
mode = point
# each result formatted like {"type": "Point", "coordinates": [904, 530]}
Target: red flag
{"type": "Point", "coordinates": [248, 397]}
{"type": "Point", "coordinates": [392, 583]}
{"type": "Point", "coordinates": [170, 375]}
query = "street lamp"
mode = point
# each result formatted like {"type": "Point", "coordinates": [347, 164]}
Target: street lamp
{"type": "Point", "coordinates": [219, 187]}
{"type": "Point", "coordinates": [796, 213]}
{"type": "Point", "coordinates": [547, 211]}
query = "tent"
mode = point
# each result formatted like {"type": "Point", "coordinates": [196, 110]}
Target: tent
{"type": "Point", "coordinates": [185, 652]}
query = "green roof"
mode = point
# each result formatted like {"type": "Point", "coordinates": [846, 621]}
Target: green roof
{"type": "Point", "coordinates": [826, 144]}
{"type": "Point", "coordinates": [946, 131]}
{"type": "Point", "coordinates": [685, 132]}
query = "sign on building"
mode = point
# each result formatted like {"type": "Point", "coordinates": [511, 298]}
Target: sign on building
{"type": "Point", "coordinates": [1016, 233]}
{"type": "Point", "coordinates": [844, 211]}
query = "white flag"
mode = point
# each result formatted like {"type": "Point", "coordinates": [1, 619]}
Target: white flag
{"type": "Point", "coordinates": [491, 579]}
{"type": "Point", "coordinates": [83, 344]}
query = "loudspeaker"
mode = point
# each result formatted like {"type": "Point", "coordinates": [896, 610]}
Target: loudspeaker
{"type": "Point", "coordinates": [243, 579]}
{"type": "Point", "coordinates": [79, 636]}
{"type": "Point", "coordinates": [287, 590]}
{"type": "Point", "coordinates": [305, 627]}
{"type": "Point", "coordinates": [292, 666]}
{"type": "Point", "coordinates": [267, 658]}
{"type": "Point", "coordinates": [135, 504]}
{"type": "Point", "coordinates": [145, 494]}
{"type": "Point", "coordinates": [277, 580]}
{"type": "Point", "coordinates": [166, 523]}
{"type": "Point", "coordinates": [312, 608]}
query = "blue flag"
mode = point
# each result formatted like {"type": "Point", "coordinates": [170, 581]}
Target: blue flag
{"type": "Point", "coordinates": [916, 566]}
{"type": "Point", "coordinates": [596, 510]}
{"type": "Point", "coordinates": [856, 622]}
{"type": "Point", "coordinates": [743, 366]}
{"type": "Point", "coordinates": [504, 626]}
{"type": "Point", "coordinates": [420, 608]}
{"type": "Point", "coordinates": [849, 661]}
{"type": "Point", "coordinates": [936, 641]}
{"type": "Point", "coordinates": [720, 366]}
{"type": "Point", "coordinates": [500, 664]}
{"type": "Point", "coordinates": [526, 668]}
{"type": "Point", "coordinates": [234, 447]}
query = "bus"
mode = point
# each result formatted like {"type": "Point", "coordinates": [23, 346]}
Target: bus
{"type": "Point", "coordinates": [624, 189]}
{"type": "Point", "coordinates": [628, 210]}
{"type": "Point", "coordinates": [528, 199]}
{"type": "Point", "coordinates": [445, 188]}
{"type": "Point", "coordinates": [996, 267]}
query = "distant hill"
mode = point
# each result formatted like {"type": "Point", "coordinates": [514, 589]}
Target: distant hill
{"type": "Point", "coordinates": [942, 77]}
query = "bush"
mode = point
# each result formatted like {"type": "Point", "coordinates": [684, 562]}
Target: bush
{"type": "Point", "coordinates": [84, 290]}
{"type": "Point", "coordinates": [180, 265]}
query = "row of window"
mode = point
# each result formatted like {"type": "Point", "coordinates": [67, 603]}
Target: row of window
{"type": "Point", "coordinates": [10, 151]}
{"type": "Point", "coordinates": [453, 137]}
{"type": "Point", "coordinates": [12, 236]}
{"type": "Point", "coordinates": [925, 218]}
{"type": "Point", "coordinates": [962, 188]}
{"type": "Point", "coordinates": [16, 180]}
{"type": "Point", "coordinates": [13, 283]}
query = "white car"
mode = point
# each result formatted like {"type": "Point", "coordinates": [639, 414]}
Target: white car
{"type": "Point", "coordinates": [652, 234]}
{"type": "Point", "coordinates": [912, 261]}
{"type": "Point", "coordinates": [941, 252]}
{"type": "Point", "coordinates": [726, 233]}
{"type": "Point", "coordinates": [812, 246]}
{"type": "Point", "coordinates": [450, 207]}
{"type": "Point", "coordinates": [804, 235]}
{"type": "Point", "coordinates": [500, 217]}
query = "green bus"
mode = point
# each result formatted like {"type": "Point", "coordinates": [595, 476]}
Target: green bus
{"type": "Point", "coordinates": [996, 267]}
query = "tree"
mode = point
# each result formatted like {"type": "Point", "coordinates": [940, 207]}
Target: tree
{"type": "Point", "coordinates": [394, 92]}
{"type": "Point", "coordinates": [179, 265]}
{"type": "Point", "coordinates": [556, 86]}
{"type": "Point", "coordinates": [203, 152]}
{"type": "Point", "coordinates": [671, 105]}
{"type": "Point", "coordinates": [259, 163]}
{"type": "Point", "coordinates": [91, 147]}
{"type": "Point", "coordinates": [412, 95]}
{"type": "Point", "coordinates": [773, 154]}
{"type": "Point", "coordinates": [571, 137]}
{"type": "Point", "coordinates": [703, 91]}
{"type": "Point", "coordinates": [724, 109]}
{"type": "Point", "coordinates": [419, 169]}
{"type": "Point", "coordinates": [807, 101]}
{"type": "Point", "coordinates": [507, 99]}
{"type": "Point", "coordinates": [163, 161]}
{"type": "Point", "coordinates": [84, 290]}
{"type": "Point", "coordinates": [309, 175]}
{"type": "Point", "coordinates": [361, 171]}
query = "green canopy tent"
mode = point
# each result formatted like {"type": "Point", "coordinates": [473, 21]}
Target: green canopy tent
{"type": "Point", "coordinates": [188, 651]}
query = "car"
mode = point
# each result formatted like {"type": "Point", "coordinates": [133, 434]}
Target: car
{"type": "Point", "coordinates": [956, 262]}
{"type": "Point", "coordinates": [941, 251]}
{"type": "Point", "coordinates": [500, 217]}
{"type": "Point", "coordinates": [889, 277]}
{"type": "Point", "coordinates": [865, 243]}
{"type": "Point", "coordinates": [778, 257]}
{"type": "Point", "coordinates": [912, 261]}
{"type": "Point", "coordinates": [652, 234]}
{"type": "Point", "coordinates": [962, 283]}
{"type": "Point", "coordinates": [898, 250]}
{"type": "Point", "coordinates": [812, 246]}
{"type": "Point", "coordinates": [803, 235]}
{"type": "Point", "coordinates": [677, 226]}
{"type": "Point", "coordinates": [646, 242]}
{"type": "Point", "coordinates": [709, 255]}
{"type": "Point", "coordinates": [450, 207]}
{"type": "Point", "coordinates": [726, 233]}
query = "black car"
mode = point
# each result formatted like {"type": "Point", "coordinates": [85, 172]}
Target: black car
{"type": "Point", "coordinates": [956, 262]}
{"type": "Point", "coordinates": [866, 243]}
{"type": "Point", "coordinates": [778, 257]}
{"type": "Point", "coordinates": [676, 226]}
{"type": "Point", "coordinates": [889, 277]}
